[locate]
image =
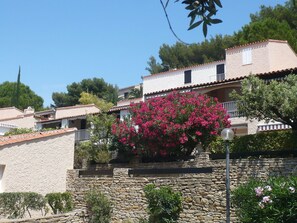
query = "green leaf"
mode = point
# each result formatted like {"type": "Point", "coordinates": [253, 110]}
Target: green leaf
{"type": "Point", "coordinates": [218, 3]}
{"type": "Point", "coordinates": [215, 21]}
{"type": "Point", "coordinates": [195, 25]}
{"type": "Point", "coordinates": [205, 29]}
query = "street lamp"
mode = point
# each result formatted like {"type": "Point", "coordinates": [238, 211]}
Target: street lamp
{"type": "Point", "coordinates": [227, 135]}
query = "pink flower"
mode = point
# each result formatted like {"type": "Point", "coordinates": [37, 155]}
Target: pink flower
{"type": "Point", "coordinates": [259, 191]}
{"type": "Point", "coordinates": [266, 199]}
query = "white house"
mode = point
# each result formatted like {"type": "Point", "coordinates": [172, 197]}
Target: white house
{"type": "Point", "coordinates": [37, 161]}
{"type": "Point", "coordinates": [267, 59]}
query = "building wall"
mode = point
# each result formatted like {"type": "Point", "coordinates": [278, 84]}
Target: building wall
{"type": "Point", "coordinates": [10, 112]}
{"type": "Point", "coordinates": [22, 122]}
{"type": "Point", "coordinates": [38, 165]}
{"type": "Point", "coordinates": [260, 60]}
{"type": "Point", "coordinates": [76, 111]}
{"type": "Point", "coordinates": [281, 56]}
{"type": "Point", "coordinates": [252, 124]}
{"type": "Point", "coordinates": [175, 78]}
{"type": "Point", "coordinates": [203, 194]}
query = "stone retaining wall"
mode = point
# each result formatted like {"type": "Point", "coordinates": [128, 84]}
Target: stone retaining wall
{"type": "Point", "coordinates": [203, 194]}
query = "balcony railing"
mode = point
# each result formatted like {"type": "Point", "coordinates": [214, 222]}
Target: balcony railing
{"type": "Point", "coordinates": [82, 135]}
{"type": "Point", "coordinates": [231, 107]}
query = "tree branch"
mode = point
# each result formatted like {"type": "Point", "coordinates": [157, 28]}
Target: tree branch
{"type": "Point", "coordinates": [169, 23]}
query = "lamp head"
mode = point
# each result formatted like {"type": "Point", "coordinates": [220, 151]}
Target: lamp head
{"type": "Point", "coordinates": [227, 134]}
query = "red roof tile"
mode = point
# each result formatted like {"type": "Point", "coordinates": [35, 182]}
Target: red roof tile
{"type": "Point", "coordinates": [7, 140]}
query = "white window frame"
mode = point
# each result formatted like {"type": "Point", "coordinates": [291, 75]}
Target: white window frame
{"type": "Point", "coordinates": [247, 56]}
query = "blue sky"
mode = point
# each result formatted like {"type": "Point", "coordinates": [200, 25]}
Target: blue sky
{"type": "Point", "coordinates": [57, 42]}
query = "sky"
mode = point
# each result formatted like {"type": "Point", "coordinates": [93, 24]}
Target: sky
{"type": "Point", "coordinates": [58, 42]}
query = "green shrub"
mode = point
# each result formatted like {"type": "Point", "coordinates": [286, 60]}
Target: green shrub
{"type": "Point", "coordinates": [164, 205]}
{"type": "Point", "coordinates": [18, 131]}
{"type": "Point", "coordinates": [15, 204]}
{"type": "Point", "coordinates": [60, 202]}
{"type": "Point", "coordinates": [271, 201]}
{"type": "Point", "coordinates": [264, 141]}
{"type": "Point", "coordinates": [99, 207]}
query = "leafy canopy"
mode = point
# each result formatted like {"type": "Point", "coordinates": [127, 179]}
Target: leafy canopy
{"type": "Point", "coordinates": [95, 86]}
{"type": "Point", "coordinates": [276, 100]}
{"type": "Point", "coordinates": [26, 96]}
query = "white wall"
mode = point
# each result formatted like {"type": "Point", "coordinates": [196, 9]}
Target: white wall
{"type": "Point", "coordinates": [175, 78]}
{"type": "Point", "coordinates": [38, 165]}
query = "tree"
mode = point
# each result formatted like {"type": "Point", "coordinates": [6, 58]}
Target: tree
{"type": "Point", "coordinates": [87, 98]}
{"type": "Point", "coordinates": [27, 97]}
{"type": "Point", "coordinates": [172, 125]}
{"type": "Point", "coordinates": [276, 100]}
{"type": "Point", "coordinates": [181, 55]}
{"type": "Point", "coordinates": [95, 86]}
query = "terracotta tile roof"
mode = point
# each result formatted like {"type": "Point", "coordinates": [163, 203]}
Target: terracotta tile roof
{"type": "Point", "coordinates": [7, 140]}
{"type": "Point", "coordinates": [119, 108]}
{"type": "Point", "coordinates": [68, 117]}
{"type": "Point", "coordinates": [257, 42]}
{"type": "Point", "coordinates": [186, 68]}
{"type": "Point", "coordinates": [261, 75]}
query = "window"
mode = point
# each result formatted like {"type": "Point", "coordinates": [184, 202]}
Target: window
{"type": "Point", "coordinates": [188, 76]}
{"type": "Point", "coordinates": [126, 95]}
{"type": "Point", "coordinates": [220, 72]}
{"type": "Point", "coordinates": [246, 56]}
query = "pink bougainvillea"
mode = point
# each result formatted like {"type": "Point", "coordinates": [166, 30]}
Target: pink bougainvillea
{"type": "Point", "coordinates": [171, 125]}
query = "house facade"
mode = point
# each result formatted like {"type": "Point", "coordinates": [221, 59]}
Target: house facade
{"type": "Point", "coordinates": [37, 161]}
{"type": "Point", "coordinates": [267, 59]}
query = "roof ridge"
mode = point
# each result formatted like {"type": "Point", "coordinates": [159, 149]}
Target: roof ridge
{"type": "Point", "coordinates": [5, 140]}
{"type": "Point", "coordinates": [256, 42]}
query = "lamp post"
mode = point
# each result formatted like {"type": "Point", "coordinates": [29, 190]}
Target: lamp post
{"type": "Point", "coordinates": [227, 135]}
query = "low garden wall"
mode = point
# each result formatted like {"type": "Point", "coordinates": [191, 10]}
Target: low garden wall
{"type": "Point", "coordinates": [203, 192]}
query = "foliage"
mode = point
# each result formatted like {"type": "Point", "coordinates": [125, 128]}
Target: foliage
{"type": "Point", "coordinates": [271, 201]}
{"type": "Point", "coordinates": [136, 93]}
{"type": "Point", "coordinates": [276, 100]}
{"type": "Point", "coordinates": [27, 97]}
{"type": "Point", "coordinates": [180, 55]}
{"type": "Point", "coordinates": [263, 141]}
{"type": "Point", "coordinates": [87, 98]}
{"type": "Point", "coordinates": [95, 86]}
{"type": "Point", "coordinates": [164, 205]}
{"type": "Point", "coordinates": [18, 131]}
{"type": "Point", "coordinates": [14, 205]}
{"type": "Point", "coordinates": [99, 207]}
{"type": "Point", "coordinates": [204, 10]}
{"type": "Point", "coordinates": [172, 125]}
{"type": "Point", "coordinates": [60, 202]}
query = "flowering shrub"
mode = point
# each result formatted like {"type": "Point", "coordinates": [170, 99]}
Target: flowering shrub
{"type": "Point", "coordinates": [172, 125]}
{"type": "Point", "coordinates": [271, 201]}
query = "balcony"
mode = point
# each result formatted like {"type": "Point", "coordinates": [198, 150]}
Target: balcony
{"type": "Point", "coordinates": [231, 108]}
{"type": "Point", "coordinates": [82, 135]}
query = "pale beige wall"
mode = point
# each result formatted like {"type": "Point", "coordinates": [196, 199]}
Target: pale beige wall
{"type": "Point", "coordinates": [260, 61]}
{"type": "Point", "coordinates": [252, 124]}
{"type": "Point", "coordinates": [76, 111]}
{"type": "Point", "coordinates": [281, 56]}
{"type": "Point", "coordinates": [22, 122]}
{"type": "Point", "coordinates": [10, 112]}
{"type": "Point", "coordinates": [38, 165]}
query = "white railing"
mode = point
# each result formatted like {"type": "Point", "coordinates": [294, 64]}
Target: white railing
{"type": "Point", "coordinates": [82, 135]}
{"type": "Point", "coordinates": [231, 107]}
